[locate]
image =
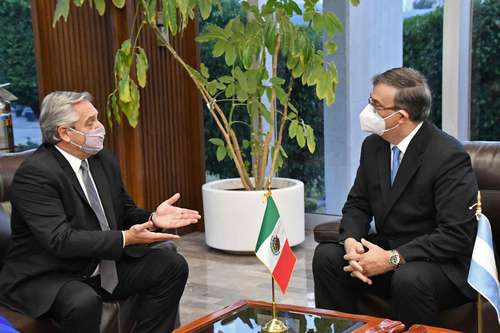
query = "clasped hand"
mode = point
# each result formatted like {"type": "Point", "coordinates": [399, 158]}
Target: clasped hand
{"type": "Point", "coordinates": [363, 264]}
{"type": "Point", "coordinates": [166, 216]}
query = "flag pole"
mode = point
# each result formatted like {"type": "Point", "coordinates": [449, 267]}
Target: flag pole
{"type": "Point", "coordinates": [479, 300]}
{"type": "Point", "coordinates": [274, 325]}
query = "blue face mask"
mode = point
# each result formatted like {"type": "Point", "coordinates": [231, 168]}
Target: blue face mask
{"type": "Point", "coordinates": [94, 140]}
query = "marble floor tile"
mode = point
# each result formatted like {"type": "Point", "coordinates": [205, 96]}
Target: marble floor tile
{"type": "Point", "coordinates": [217, 279]}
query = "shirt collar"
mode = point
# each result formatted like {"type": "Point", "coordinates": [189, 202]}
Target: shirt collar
{"type": "Point", "coordinates": [403, 145]}
{"type": "Point", "coordinates": [74, 161]}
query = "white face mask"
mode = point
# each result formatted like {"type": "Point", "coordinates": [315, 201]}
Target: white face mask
{"type": "Point", "coordinates": [372, 122]}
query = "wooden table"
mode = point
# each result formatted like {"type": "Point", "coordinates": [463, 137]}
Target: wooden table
{"type": "Point", "coordinates": [368, 324]}
{"type": "Point", "coordinates": [429, 329]}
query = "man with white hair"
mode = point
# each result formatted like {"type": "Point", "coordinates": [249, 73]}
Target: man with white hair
{"type": "Point", "coordinates": [78, 239]}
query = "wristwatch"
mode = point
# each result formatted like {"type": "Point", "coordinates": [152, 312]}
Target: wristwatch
{"type": "Point", "coordinates": [394, 259]}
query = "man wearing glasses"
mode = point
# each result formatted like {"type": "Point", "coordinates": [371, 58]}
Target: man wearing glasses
{"type": "Point", "coordinates": [416, 182]}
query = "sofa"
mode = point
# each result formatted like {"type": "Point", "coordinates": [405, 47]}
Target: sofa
{"type": "Point", "coordinates": [485, 157]}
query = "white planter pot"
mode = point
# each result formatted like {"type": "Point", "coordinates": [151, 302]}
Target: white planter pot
{"type": "Point", "coordinates": [233, 216]}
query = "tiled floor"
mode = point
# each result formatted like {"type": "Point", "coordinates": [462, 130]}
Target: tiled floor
{"type": "Point", "coordinates": [217, 279]}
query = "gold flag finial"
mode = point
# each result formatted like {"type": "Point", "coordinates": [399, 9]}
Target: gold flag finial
{"type": "Point", "coordinates": [268, 193]}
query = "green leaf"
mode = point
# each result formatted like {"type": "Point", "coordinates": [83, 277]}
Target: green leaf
{"type": "Point", "coordinates": [283, 152]}
{"type": "Point", "coordinates": [294, 109]}
{"type": "Point", "coordinates": [252, 81]}
{"type": "Point", "coordinates": [230, 55]}
{"type": "Point", "coordinates": [169, 13]}
{"type": "Point", "coordinates": [330, 46]}
{"type": "Point", "coordinates": [131, 109]}
{"type": "Point", "coordinates": [355, 2]}
{"type": "Point", "coordinates": [281, 94]}
{"type": "Point", "coordinates": [270, 36]}
{"type": "Point", "coordinates": [295, 8]}
{"type": "Point", "coordinates": [266, 114]}
{"type": "Point", "coordinates": [292, 129]}
{"type": "Point", "coordinates": [151, 10]}
{"type": "Point", "coordinates": [204, 71]}
{"type": "Point", "coordinates": [100, 6]}
{"type": "Point", "coordinates": [332, 24]}
{"type": "Point", "coordinates": [219, 48]}
{"type": "Point", "coordinates": [277, 80]}
{"type": "Point", "coordinates": [78, 3]}
{"type": "Point", "coordinates": [124, 90]}
{"type": "Point", "coordinates": [62, 10]}
{"type": "Point", "coordinates": [230, 89]}
{"type": "Point", "coordinates": [119, 3]}
{"type": "Point", "coordinates": [301, 140]}
{"type": "Point", "coordinates": [217, 141]}
{"type": "Point", "coordinates": [133, 119]}
{"type": "Point", "coordinates": [205, 8]}
{"type": "Point", "coordinates": [246, 144]}
{"type": "Point", "coordinates": [141, 67]}
{"type": "Point", "coordinates": [226, 79]}
{"type": "Point", "coordinates": [311, 139]}
{"type": "Point", "coordinates": [221, 153]}
{"type": "Point", "coordinates": [126, 46]}
{"type": "Point", "coordinates": [112, 109]}
{"type": "Point", "coordinates": [318, 22]}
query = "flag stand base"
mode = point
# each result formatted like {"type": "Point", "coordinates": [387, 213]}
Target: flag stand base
{"type": "Point", "coordinates": [274, 326]}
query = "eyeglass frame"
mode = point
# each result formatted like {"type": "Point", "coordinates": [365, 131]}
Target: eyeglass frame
{"type": "Point", "coordinates": [372, 102]}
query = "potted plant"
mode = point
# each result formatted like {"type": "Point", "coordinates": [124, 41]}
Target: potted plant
{"type": "Point", "coordinates": [252, 46]}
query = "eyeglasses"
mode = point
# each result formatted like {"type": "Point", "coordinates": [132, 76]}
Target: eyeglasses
{"type": "Point", "coordinates": [379, 107]}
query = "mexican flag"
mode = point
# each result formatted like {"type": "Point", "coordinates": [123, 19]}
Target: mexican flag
{"type": "Point", "coordinates": [273, 248]}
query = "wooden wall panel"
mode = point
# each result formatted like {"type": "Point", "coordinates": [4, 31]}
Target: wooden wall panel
{"type": "Point", "coordinates": [164, 154]}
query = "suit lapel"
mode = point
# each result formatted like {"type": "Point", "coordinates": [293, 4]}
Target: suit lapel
{"type": "Point", "coordinates": [383, 164]}
{"type": "Point", "coordinates": [411, 162]}
{"type": "Point", "coordinates": [102, 185]}
{"type": "Point", "coordinates": [63, 162]}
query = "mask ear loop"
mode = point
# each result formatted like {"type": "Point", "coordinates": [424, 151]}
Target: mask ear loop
{"type": "Point", "coordinates": [397, 125]}
{"type": "Point", "coordinates": [76, 144]}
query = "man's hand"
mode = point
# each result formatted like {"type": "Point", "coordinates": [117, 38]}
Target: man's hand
{"type": "Point", "coordinates": [352, 247]}
{"type": "Point", "coordinates": [141, 234]}
{"type": "Point", "coordinates": [168, 216]}
{"type": "Point", "coordinates": [375, 261]}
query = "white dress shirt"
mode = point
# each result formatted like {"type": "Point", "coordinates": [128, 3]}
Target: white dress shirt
{"type": "Point", "coordinates": [403, 145]}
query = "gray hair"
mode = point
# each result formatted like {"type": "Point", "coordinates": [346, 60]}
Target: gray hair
{"type": "Point", "coordinates": [57, 110]}
{"type": "Point", "coordinates": [413, 93]}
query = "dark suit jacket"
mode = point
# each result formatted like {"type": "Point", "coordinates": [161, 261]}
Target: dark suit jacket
{"type": "Point", "coordinates": [425, 215]}
{"type": "Point", "coordinates": [56, 236]}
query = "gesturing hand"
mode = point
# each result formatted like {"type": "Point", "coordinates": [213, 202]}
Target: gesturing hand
{"type": "Point", "coordinates": [141, 234]}
{"type": "Point", "coordinates": [375, 261]}
{"type": "Point", "coordinates": [168, 216]}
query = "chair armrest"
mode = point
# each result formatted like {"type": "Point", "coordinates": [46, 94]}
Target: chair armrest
{"type": "Point", "coordinates": [327, 232]}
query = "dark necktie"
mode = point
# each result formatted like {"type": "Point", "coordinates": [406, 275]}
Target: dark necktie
{"type": "Point", "coordinates": [109, 276]}
{"type": "Point", "coordinates": [395, 162]}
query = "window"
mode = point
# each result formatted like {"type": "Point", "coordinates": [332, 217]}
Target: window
{"type": "Point", "coordinates": [423, 46]}
{"type": "Point", "coordinates": [17, 67]}
{"type": "Point", "coordinates": [485, 71]}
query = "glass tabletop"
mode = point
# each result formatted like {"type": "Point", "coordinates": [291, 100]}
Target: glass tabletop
{"type": "Point", "coordinates": [250, 319]}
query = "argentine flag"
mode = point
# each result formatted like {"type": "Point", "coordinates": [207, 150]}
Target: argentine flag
{"type": "Point", "coordinates": [483, 275]}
